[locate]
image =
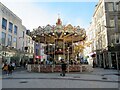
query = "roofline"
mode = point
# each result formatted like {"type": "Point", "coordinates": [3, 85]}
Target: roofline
{"type": "Point", "coordinates": [96, 8]}
{"type": "Point", "coordinates": [10, 11]}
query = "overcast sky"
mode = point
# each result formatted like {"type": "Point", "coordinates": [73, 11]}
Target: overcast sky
{"type": "Point", "coordinates": [36, 13]}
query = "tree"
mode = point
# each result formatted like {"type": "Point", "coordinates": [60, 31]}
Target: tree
{"type": "Point", "coordinates": [80, 47]}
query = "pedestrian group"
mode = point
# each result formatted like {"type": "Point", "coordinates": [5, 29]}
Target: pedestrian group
{"type": "Point", "coordinates": [8, 68]}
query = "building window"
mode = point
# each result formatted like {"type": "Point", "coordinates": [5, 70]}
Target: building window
{"type": "Point", "coordinates": [28, 40]}
{"type": "Point", "coordinates": [112, 38]}
{"type": "Point", "coordinates": [31, 49]}
{"type": "Point", "coordinates": [4, 24]}
{"type": "Point", "coordinates": [103, 40]}
{"type": "Point", "coordinates": [15, 42]}
{"type": "Point", "coordinates": [15, 29]}
{"type": "Point", "coordinates": [119, 24]}
{"type": "Point", "coordinates": [9, 40]}
{"type": "Point", "coordinates": [37, 52]}
{"type": "Point", "coordinates": [10, 27]}
{"type": "Point", "coordinates": [23, 34]}
{"type": "Point", "coordinates": [97, 44]}
{"type": "Point", "coordinates": [28, 49]}
{"type": "Point", "coordinates": [117, 38]}
{"type": "Point", "coordinates": [118, 6]}
{"type": "Point", "coordinates": [98, 28]}
{"type": "Point", "coordinates": [110, 6]}
{"type": "Point", "coordinates": [23, 47]}
{"type": "Point", "coordinates": [3, 38]}
{"type": "Point", "coordinates": [112, 23]}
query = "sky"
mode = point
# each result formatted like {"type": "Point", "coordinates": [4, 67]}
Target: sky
{"type": "Point", "coordinates": [37, 13]}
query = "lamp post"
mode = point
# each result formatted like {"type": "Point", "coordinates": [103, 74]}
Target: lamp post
{"type": "Point", "coordinates": [68, 59]}
{"type": "Point", "coordinates": [0, 55]}
{"type": "Point", "coordinates": [54, 53]}
{"type": "Point", "coordinates": [64, 49]}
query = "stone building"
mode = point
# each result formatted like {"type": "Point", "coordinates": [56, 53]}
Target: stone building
{"type": "Point", "coordinates": [12, 35]}
{"type": "Point", "coordinates": [106, 19]}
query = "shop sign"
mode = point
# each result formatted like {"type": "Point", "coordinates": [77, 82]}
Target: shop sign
{"type": "Point", "coordinates": [39, 57]}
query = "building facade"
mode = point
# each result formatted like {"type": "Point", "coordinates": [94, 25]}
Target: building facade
{"type": "Point", "coordinates": [90, 48]}
{"type": "Point", "coordinates": [106, 21]}
{"type": "Point", "coordinates": [29, 47]}
{"type": "Point", "coordinates": [12, 34]}
{"type": "Point", "coordinates": [39, 54]}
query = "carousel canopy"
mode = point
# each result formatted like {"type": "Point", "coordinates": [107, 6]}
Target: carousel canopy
{"type": "Point", "coordinates": [67, 33]}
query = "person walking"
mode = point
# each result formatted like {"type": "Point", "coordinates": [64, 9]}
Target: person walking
{"type": "Point", "coordinates": [25, 64]}
{"type": "Point", "coordinates": [63, 67]}
{"type": "Point", "coordinates": [5, 69]}
{"type": "Point", "coordinates": [21, 63]}
{"type": "Point", "coordinates": [10, 68]}
{"type": "Point", "coordinates": [13, 65]}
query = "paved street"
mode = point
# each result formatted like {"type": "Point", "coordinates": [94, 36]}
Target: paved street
{"type": "Point", "coordinates": [99, 78]}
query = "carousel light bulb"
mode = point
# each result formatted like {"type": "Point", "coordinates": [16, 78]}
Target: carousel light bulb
{"type": "Point", "coordinates": [53, 33]}
{"type": "Point", "coordinates": [75, 34]}
{"type": "Point", "coordinates": [42, 34]}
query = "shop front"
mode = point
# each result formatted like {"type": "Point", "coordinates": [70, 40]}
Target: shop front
{"type": "Point", "coordinates": [109, 58]}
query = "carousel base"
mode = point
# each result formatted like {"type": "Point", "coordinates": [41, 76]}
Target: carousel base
{"type": "Point", "coordinates": [57, 68]}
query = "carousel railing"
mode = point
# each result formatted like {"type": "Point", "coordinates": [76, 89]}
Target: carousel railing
{"type": "Point", "coordinates": [57, 68]}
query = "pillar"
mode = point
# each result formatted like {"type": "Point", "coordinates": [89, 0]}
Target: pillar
{"type": "Point", "coordinates": [109, 60]}
{"type": "Point", "coordinates": [99, 60]}
{"type": "Point", "coordinates": [117, 60]}
{"type": "Point", "coordinates": [104, 60]}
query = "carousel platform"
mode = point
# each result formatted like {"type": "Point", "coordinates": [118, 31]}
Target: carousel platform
{"type": "Point", "coordinates": [57, 68]}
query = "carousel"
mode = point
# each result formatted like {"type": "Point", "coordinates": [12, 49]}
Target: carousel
{"type": "Point", "coordinates": [59, 40]}
{"type": "Point", "coordinates": [59, 43]}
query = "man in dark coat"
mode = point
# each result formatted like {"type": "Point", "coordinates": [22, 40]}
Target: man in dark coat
{"type": "Point", "coordinates": [63, 67]}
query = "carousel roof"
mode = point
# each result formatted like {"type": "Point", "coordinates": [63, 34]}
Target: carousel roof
{"type": "Point", "coordinates": [49, 33]}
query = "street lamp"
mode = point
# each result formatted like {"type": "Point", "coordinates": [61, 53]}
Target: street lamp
{"type": "Point", "coordinates": [68, 59]}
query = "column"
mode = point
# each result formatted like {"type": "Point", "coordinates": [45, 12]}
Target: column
{"type": "Point", "coordinates": [0, 56]}
{"type": "Point", "coordinates": [109, 60]}
{"type": "Point", "coordinates": [54, 54]}
{"type": "Point", "coordinates": [38, 68]}
{"type": "Point", "coordinates": [39, 53]}
{"type": "Point", "coordinates": [72, 49]}
{"type": "Point", "coordinates": [68, 59]}
{"type": "Point", "coordinates": [45, 48]}
{"type": "Point", "coordinates": [64, 47]}
{"type": "Point", "coordinates": [99, 60]}
{"type": "Point", "coordinates": [117, 60]}
{"type": "Point", "coordinates": [54, 50]}
{"type": "Point", "coordinates": [104, 60]}
{"type": "Point", "coordinates": [96, 60]}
